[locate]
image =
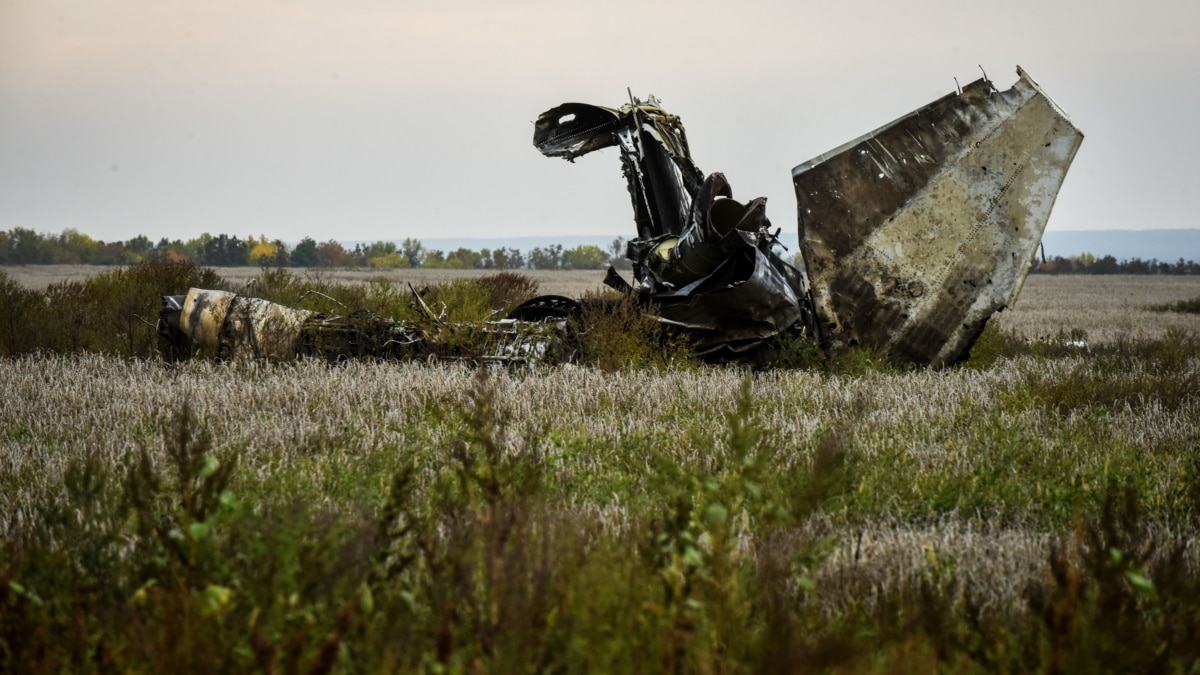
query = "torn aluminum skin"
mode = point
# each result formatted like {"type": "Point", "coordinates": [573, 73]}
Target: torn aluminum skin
{"type": "Point", "coordinates": [916, 233]}
{"type": "Point", "coordinates": [226, 325]}
{"type": "Point", "coordinates": [912, 236]}
{"type": "Point", "coordinates": [705, 261]}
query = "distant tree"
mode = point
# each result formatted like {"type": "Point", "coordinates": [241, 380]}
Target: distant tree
{"type": "Point", "coordinates": [379, 248]}
{"type": "Point", "coordinates": [140, 244]}
{"type": "Point", "coordinates": [283, 257]}
{"type": "Point", "coordinates": [584, 257]}
{"type": "Point", "coordinates": [172, 251]}
{"type": "Point", "coordinates": [506, 259]}
{"type": "Point", "coordinates": [333, 254]}
{"type": "Point", "coordinates": [433, 258]}
{"type": "Point", "coordinates": [387, 261]}
{"type": "Point", "coordinates": [545, 258]}
{"type": "Point", "coordinates": [262, 253]}
{"type": "Point", "coordinates": [224, 251]}
{"type": "Point", "coordinates": [194, 248]}
{"type": "Point", "coordinates": [72, 248]}
{"type": "Point", "coordinates": [1105, 265]}
{"type": "Point", "coordinates": [305, 253]}
{"type": "Point", "coordinates": [464, 259]}
{"type": "Point", "coordinates": [412, 250]}
{"type": "Point", "coordinates": [27, 247]}
{"type": "Point", "coordinates": [617, 251]}
{"type": "Point", "coordinates": [1135, 266]}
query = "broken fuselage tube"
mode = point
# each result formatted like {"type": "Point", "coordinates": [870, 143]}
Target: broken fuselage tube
{"type": "Point", "coordinates": [912, 236]}
{"type": "Point", "coordinates": [707, 262]}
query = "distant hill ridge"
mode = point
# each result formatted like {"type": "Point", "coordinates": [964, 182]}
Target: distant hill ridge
{"type": "Point", "coordinates": [1164, 245]}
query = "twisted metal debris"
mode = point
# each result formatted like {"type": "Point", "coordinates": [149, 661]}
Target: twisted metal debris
{"type": "Point", "coordinates": [912, 236]}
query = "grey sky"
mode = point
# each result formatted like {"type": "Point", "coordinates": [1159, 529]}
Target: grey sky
{"type": "Point", "coordinates": [366, 119]}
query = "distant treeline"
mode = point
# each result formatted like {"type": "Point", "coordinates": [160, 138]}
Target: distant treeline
{"type": "Point", "coordinates": [20, 246]}
{"type": "Point", "coordinates": [1086, 263]}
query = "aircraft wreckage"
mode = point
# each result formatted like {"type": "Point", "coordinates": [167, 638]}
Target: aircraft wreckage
{"type": "Point", "coordinates": [911, 237]}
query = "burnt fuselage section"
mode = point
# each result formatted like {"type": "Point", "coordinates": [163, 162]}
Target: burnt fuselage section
{"type": "Point", "coordinates": [706, 261]}
{"type": "Point", "coordinates": [911, 236]}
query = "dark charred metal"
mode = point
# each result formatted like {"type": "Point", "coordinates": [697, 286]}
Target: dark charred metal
{"type": "Point", "coordinates": [225, 325]}
{"type": "Point", "coordinates": [706, 262]}
{"type": "Point", "coordinates": [912, 237]}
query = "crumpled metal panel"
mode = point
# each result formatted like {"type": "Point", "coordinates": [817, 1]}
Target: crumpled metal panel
{"type": "Point", "coordinates": [655, 159]}
{"type": "Point", "coordinates": [915, 234]}
{"type": "Point", "coordinates": [706, 261]}
{"type": "Point", "coordinates": [257, 328]}
{"type": "Point", "coordinates": [574, 129]}
{"type": "Point", "coordinates": [227, 325]}
{"type": "Point", "coordinates": [750, 296]}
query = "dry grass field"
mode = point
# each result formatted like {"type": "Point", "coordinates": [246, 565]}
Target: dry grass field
{"type": "Point", "coordinates": [1033, 512]}
{"type": "Point", "coordinates": [1104, 307]}
{"type": "Point", "coordinates": [551, 282]}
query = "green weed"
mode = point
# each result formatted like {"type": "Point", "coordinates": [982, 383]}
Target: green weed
{"type": "Point", "coordinates": [1191, 306]}
{"type": "Point", "coordinates": [616, 333]}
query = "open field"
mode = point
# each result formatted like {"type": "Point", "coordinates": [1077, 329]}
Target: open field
{"type": "Point", "coordinates": [1104, 307]}
{"type": "Point", "coordinates": [555, 282]}
{"type": "Point", "coordinates": [1036, 512]}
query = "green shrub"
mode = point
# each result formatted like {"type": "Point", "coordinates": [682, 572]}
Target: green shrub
{"type": "Point", "coordinates": [617, 333]}
{"type": "Point", "coordinates": [114, 312]}
{"type": "Point", "coordinates": [19, 309]}
{"type": "Point", "coordinates": [1190, 306]}
{"type": "Point", "coordinates": [509, 289]}
{"type": "Point", "coordinates": [991, 345]}
{"type": "Point", "coordinates": [1126, 373]}
{"type": "Point", "coordinates": [792, 349]}
{"type": "Point", "coordinates": [860, 360]}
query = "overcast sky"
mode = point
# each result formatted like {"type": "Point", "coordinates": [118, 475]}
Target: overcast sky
{"type": "Point", "coordinates": [374, 119]}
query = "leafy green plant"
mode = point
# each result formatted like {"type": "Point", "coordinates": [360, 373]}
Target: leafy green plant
{"type": "Point", "coordinates": [174, 514]}
{"type": "Point", "coordinates": [993, 344]}
{"type": "Point", "coordinates": [1190, 306]}
{"type": "Point", "coordinates": [1115, 380]}
{"type": "Point", "coordinates": [616, 333]}
{"type": "Point", "coordinates": [1102, 608]}
{"type": "Point", "coordinates": [791, 349]}
{"type": "Point", "coordinates": [113, 312]}
{"type": "Point", "coordinates": [19, 308]}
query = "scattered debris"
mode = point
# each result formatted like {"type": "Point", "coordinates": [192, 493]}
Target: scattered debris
{"type": "Point", "coordinates": [912, 236]}
{"type": "Point", "coordinates": [225, 325]}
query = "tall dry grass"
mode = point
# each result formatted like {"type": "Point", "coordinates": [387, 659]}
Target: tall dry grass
{"type": "Point", "coordinates": [1024, 512]}
{"type": "Point", "coordinates": [920, 442]}
{"type": "Point", "coordinates": [571, 283]}
{"type": "Point", "coordinates": [1103, 307]}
